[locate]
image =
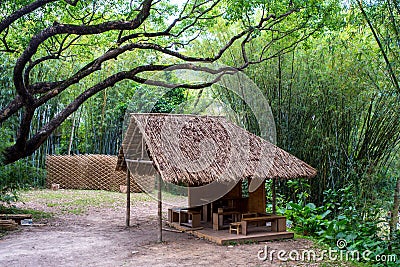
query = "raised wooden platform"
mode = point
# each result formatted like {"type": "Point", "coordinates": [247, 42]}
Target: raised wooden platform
{"type": "Point", "coordinates": [223, 237]}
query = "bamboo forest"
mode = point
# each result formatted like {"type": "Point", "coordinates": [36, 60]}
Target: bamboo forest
{"type": "Point", "coordinates": [329, 71]}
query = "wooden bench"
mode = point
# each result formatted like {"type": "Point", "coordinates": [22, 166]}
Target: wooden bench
{"type": "Point", "coordinates": [278, 223]}
{"type": "Point", "coordinates": [250, 215]}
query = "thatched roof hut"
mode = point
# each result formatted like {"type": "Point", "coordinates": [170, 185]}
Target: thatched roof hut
{"type": "Point", "coordinates": [197, 150]}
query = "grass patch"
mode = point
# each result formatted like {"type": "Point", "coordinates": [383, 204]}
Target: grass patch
{"type": "Point", "coordinates": [76, 211]}
{"type": "Point", "coordinates": [94, 198]}
{"type": "Point", "coordinates": [78, 201]}
{"type": "Point", "coordinates": [231, 243]}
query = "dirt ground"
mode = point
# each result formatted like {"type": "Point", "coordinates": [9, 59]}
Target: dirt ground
{"type": "Point", "coordinates": [97, 236]}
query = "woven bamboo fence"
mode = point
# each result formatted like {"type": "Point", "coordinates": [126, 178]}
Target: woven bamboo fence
{"type": "Point", "coordinates": [94, 172]}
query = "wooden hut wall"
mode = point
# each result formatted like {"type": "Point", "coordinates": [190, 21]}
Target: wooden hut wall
{"type": "Point", "coordinates": [256, 202]}
{"type": "Point", "coordinates": [236, 192]}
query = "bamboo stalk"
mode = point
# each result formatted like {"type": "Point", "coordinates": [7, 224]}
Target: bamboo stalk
{"type": "Point", "coordinates": [395, 212]}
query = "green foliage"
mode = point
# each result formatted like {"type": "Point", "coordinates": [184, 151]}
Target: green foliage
{"type": "Point", "coordinates": [306, 219]}
{"type": "Point", "coordinates": [339, 218]}
{"type": "Point", "coordinates": [169, 101]}
{"type": "Point", "coordinates": [362, 232]}
{"type": "Point", "coordinates": [347, 222]}
{"type": "Point", "coordinates": [17, 176]}
{"type": "Point", "coordinates": [333, 102]}
{"type": "Point", "coordinates": [332, 111]}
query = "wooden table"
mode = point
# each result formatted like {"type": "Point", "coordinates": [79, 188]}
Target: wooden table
{"type": "Point", "coordinates": [278, 223]}
{"type": "Point", "coordinates": [185, 217]}
{"type": "Point", "coordinates": [173, 215]}
{"type": "Point", "coordinates": [189, 218]}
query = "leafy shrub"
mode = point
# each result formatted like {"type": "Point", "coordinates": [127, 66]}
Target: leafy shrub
{"type": "Point", "coordinates": [17, 176]}
{"type": "Point", "coordinates": [307, 219]}
{"type": "Point", "coordinates": [340, 218]}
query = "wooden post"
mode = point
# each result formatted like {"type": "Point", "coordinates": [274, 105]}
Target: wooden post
{"type": "Point", "coordinates": [128, 198]}
{"type": "Point", "coordinates": [159, 237]}
{"type": "Point", "coordinates": [273, 196]}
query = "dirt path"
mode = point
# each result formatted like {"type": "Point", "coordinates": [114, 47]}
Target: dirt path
{"type": "Point", "coordinates": [98, 237]}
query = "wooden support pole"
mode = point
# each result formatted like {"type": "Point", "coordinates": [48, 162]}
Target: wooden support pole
{"type": "Point", "coordinates": [128, 198]}
{"type": "Point", "coordinates": [273, 196]}
{"type": "Point", "coordinates": [159, 236]}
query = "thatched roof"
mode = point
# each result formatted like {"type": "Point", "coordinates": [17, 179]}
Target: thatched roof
{"type": "Point", "coordinates": [201, 149]}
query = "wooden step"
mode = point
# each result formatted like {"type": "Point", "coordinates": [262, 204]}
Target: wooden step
{"type": "Point", "coordinates": [8, 225]}
{"type": "Point", "coordinates": [16, 217]}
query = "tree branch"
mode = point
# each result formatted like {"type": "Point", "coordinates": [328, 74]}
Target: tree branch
{"type": "Point", "coordinates": [24, 147]}
{"type": "Point", "coordinates": [10, 109]}
{"type": "Point", "coordinates": [69, 29]}
{"type": "Point", "coordinates": [5, 23]}
{"type": "Point", "coordinates": [181, 31]}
